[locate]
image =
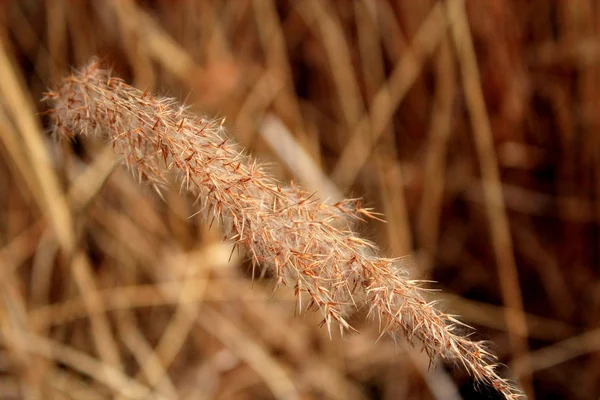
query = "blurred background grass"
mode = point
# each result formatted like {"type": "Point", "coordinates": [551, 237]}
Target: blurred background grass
{"type": "Point", "coordinates": [473, 128]}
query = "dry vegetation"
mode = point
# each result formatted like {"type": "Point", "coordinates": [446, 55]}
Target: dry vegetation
{"type": "Point", "coordinates": [472, 129]}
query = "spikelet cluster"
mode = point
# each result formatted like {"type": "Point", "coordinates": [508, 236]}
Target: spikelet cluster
{"type": "Point", "coordinates": [305, 244]}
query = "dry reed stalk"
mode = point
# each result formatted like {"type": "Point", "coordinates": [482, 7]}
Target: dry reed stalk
{"type": "Point", "coordinates": [305, 243]}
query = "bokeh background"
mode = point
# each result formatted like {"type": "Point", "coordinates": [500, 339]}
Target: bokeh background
{"type": "Point", "coordinates": [472, 125]}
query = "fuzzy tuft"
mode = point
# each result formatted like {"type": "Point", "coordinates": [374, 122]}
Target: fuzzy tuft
{"type": "Point", "coordinates": [305, 244]}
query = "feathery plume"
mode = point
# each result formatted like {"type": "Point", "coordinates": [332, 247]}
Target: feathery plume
{"type": "Point", "coordinates": [306, 244]}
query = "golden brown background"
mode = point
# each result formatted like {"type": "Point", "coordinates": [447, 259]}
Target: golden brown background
{"type": "Point", "coordinates": [473, 126]}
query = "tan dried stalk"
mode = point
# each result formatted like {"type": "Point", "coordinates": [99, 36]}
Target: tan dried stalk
{"type": "Point", "coordinates": [306, 244]}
